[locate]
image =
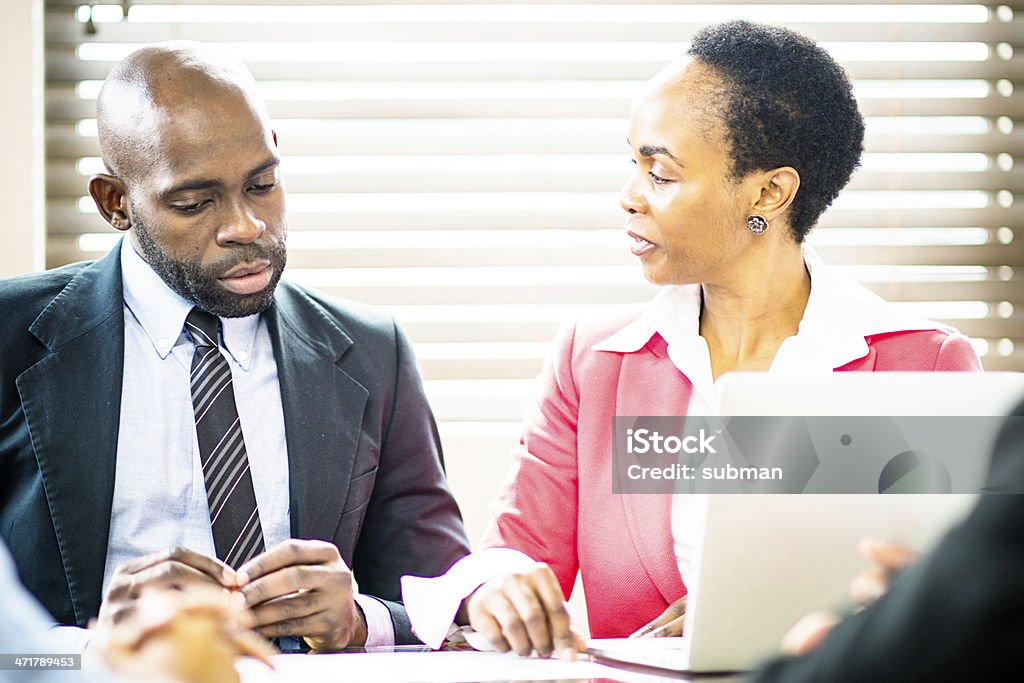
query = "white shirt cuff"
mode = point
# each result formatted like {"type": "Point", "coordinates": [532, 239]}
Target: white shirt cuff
{"type": "Point", "coordinates": [69, 639]}
{"type": "Point", "coordinates": [380, 631]}
{"type": "Point", "coordinates": [433, 603]}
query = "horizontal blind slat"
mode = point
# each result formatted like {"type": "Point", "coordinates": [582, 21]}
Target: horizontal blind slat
{"type": "Point", "coordinates": [62, 27]}
{"type": "Point", "coordinates": [582, 173]}
{"type": "Point", "coordinates": [530, 294]}
{"type": "Point", "coordinates": [530, 254]}
{"type": "Point", "coordinates": [63, 66]}
{"type": "Point", "coordinates": [1015, 4]}
{"type": "Point", "coordinates": [510, 136]}
{"type": "Point", "coordinates": [63, 104]}
{"type": "Point", "coordinates": [602, 213]}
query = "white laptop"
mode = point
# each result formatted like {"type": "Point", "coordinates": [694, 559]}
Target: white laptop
{"type": "Point", "coordinates": [768, 559]}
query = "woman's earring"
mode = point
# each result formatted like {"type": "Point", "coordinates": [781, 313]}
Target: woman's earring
{"type": "Point", "coordinates": [757, 224]}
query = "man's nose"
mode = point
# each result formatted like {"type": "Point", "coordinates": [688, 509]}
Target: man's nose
{"type": "Point", "coordinates": [243, 227]}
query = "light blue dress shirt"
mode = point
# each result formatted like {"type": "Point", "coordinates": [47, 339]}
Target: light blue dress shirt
{"type": "Point", "coordinates": [159, 493]}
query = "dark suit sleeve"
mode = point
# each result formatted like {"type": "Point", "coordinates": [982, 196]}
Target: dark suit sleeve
{"type": "Point", "coordinates": [412, 523]}
{"type": "Point", "coordinates": [956, 615]}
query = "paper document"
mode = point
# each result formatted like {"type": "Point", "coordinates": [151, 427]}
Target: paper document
{"type": "Point", "coordinates": [670, 654]}
{"type": "Point", "coordinates": [422, 667]}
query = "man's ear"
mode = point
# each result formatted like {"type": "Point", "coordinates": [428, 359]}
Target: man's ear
{"type": "Point", "coordinates": [111, 197]}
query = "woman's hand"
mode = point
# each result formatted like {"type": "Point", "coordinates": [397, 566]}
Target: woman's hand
{"type": "Point", "coordinates": [669, 624]}
{"type": "Point", "coordinates": [524, 611]}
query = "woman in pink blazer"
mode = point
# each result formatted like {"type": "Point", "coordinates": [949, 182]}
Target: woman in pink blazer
{"type": "Point", "coordinates": [557, 505]}
{"type": "Point", "coordinates": [738, 148]}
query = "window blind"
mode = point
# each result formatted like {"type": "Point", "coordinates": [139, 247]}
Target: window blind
{"type": "Point", "coordinates": [459, 162]}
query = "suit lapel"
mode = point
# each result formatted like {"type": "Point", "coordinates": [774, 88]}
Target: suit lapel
{"type": "Point", "coordinates": [650, 385]}
{"type": "Point", "coordinates": [72, 404]}
{"type": "Point", "coordinates": [323, 411]}
{"type": "Point", "coordinates": [864, 364]}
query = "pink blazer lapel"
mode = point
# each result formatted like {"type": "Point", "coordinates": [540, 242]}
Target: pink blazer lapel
{"type": "Point", "coordinates": [649, 384]}
{"type": "Point", "coordinates": [865, 364]}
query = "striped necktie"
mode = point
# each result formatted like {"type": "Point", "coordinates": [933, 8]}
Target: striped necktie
{"type": "Point", "coordinates": [237, 534]}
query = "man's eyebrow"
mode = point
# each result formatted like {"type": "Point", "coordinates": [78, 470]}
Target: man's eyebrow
{"type": "Point", "coordinates": [652, 150]}
{"type": "Point", "coordinates": [270, 163]}
{"type": "Point", "coordinates": [207, 184]}
{"type": "Point", "coordinates": [191, 185]}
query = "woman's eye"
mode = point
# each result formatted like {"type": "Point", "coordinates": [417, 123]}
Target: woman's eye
{"type": "Point", "coordinates": [263, 188]}
{"type": "Point", "coordinates": [658, 180]}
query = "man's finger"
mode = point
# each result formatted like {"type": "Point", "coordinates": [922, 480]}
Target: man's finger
{"type": "Point", "coordinates": [168, 575]}
{"type": "Point", "coordinates": [137, 564]}
{"type": "Point", "coordinates": [294, 606]}
{"type": "Point", "coordinates": [294, 579]}
{"type": "Point", "coordinates": [119, 587]}
{"type": "Point", "coordinates": [311, 625]}
{"type": "Point", "coordinates": [275, 585]}
{"type": "Point", "coordinates": [211, 566]}
{"type": "Point", "coordinates": [287, 554]}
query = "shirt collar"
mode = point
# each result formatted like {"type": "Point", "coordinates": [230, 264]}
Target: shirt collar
{"type": "Point", "coordinates": [674, 313]}
{"type": "Point", "coordinates": [161, 311]}
{"type": "Point", "coordinates": [839, 316]}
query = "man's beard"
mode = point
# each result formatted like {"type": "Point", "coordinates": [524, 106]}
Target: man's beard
{"type": "Point", "coordinates": [199, 284]}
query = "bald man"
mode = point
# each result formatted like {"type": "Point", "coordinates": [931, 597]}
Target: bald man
{"type": "Point", "coordinates": [174, 413]}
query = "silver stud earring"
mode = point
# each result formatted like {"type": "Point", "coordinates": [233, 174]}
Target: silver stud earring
{"type": "Point", "coordinates": [757, 224]}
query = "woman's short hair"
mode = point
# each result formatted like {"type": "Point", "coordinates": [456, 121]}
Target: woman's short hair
{"type": "Point", "coordinates": [787, 103]}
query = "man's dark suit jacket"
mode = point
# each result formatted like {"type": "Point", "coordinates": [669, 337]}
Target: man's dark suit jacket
{"type": "Point", "coordinates": [956, 615]}
{"type": "Point", "coordinates": [364, 459]}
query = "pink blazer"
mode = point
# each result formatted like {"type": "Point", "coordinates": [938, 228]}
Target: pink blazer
{"type": "Point", "coordinates": [557, 505]}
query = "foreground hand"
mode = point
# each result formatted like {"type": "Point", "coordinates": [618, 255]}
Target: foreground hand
{"type": "Point", "coordinates": [524, 611]}
{"type": "Point", "coordinates": [889, 559]}
{"type": "Point", "coordinates": [669, 624]}
{"type": "Point", "coordinates": [808, 633]}
{"type": "Point", "coordinates": [303, 588]}
{"type": "Point", "coordinates": [189, 636]}
{"type": "Point", "coordinates": [170, 568]}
